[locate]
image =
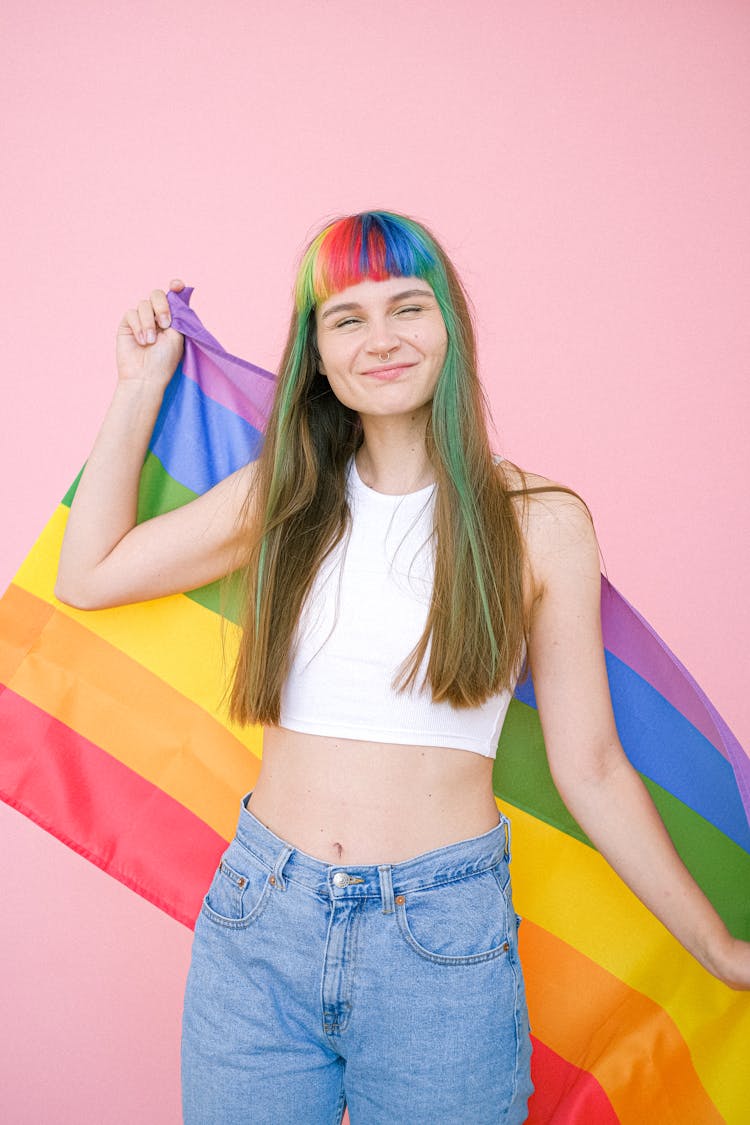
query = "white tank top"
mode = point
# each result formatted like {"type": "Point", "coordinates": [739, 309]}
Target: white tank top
{"type": "Point", "coordinates": [365, 613]}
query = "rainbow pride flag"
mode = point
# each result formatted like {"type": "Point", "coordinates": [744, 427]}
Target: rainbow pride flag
{"type": "Point", "coordinates": [115, 739]}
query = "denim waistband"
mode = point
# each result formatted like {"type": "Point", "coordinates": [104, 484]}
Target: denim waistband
{"type": "Point", "coordinates": [441, 865]}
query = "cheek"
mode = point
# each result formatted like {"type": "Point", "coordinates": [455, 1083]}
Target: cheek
{"type": "Point", "coordinates": [335, 357]}
{"type": "Point", "coordinates": [434, 342]}
{"type": "Point", "coordinates": [342, 389]}
{"type": "Point", "coordinates": [438, 349]}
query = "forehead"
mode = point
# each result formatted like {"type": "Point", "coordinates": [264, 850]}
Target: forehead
{"type": "Point", "coordinates": [371, 293]}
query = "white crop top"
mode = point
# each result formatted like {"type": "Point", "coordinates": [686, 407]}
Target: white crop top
{"type": "Point", "coordinates": [365, 613]}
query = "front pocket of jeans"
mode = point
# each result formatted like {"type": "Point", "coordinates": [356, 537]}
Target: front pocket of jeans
{"type": "Point", "coordinates": [458, 922]}
{"type": "Point", "coordinates": [239, 890]}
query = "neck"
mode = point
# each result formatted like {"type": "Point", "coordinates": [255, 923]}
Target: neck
{"type": "Point", "coordinates": [393, 456]}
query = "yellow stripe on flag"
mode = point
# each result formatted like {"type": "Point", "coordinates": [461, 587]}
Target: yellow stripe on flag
{"type": "Point", "coordinates": [568, 889]}
{"type": "Point", "coordinates": [175, 638]}
{"type": "Point", "coordinates": [80, 679]}
{"type": "Point", "coordinates": [623, 1039]}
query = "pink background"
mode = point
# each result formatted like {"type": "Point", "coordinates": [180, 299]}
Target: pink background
{"type": "Point", "coordinates": [587, 166]}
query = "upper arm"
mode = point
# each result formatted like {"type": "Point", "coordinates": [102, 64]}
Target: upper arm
{"type": "Point", "coordinates": [173, 552]}
{"type": "Point", "coordinates": [566, 651]}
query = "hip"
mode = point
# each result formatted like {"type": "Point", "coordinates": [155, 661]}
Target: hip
{"type": "Point", "coordinates": [407, 973]}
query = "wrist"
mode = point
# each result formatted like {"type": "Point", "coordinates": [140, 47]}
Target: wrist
{"type": "Point", "coordinates": [146, 390]}
{"type": "Point", "coordinates": [721, 957]}
{"type": "Point", "coordinates": [140, 399]}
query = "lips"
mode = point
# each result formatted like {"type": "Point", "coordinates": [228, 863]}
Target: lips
{"type": "Point", "coordinates": [387, 373]}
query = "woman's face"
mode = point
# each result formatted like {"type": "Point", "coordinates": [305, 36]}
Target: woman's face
{"type": "Point", "coordinates": [359, 326]}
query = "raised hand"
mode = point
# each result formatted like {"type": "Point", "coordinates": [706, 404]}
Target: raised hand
{"type": "Point", "coordinates": [147, 347]}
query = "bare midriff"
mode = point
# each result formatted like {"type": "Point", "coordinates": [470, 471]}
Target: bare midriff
{"type": "Point", "coordinates": [347, 801]}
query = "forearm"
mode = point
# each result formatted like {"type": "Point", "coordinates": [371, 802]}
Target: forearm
{"type": "Point", "coordinates": [104, 508]}
{"type": "Point", "coordinates": [616, 811]}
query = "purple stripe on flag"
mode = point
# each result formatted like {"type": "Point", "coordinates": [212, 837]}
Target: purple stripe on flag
{"type": "Point", "coordinates": [225, 380]}
{"type": "Point", "coordinates": [629, 636]}
{"type": "Point", "coordinates": [242, 387]}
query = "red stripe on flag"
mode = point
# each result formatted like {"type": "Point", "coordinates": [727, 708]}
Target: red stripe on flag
{"type": "Point", "coordinates": [155, 846]}
{"type": "Point", "coordinates": [564, 1094]}
{"type": "Point", "coordinates": [105, 811]}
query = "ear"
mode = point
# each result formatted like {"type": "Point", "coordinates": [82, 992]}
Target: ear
{"type": "Point", "coordinates": [318, 359]}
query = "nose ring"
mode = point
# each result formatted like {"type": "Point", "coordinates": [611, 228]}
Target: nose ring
{"type": "Point", "coordinates": [385, 357]}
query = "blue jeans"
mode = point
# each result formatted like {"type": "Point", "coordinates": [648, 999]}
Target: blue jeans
{"type": "Point", "coordinates": [393, 989]}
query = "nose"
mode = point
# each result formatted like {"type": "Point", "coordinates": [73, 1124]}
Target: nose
{"type": "Point", "coordinates": [382, 338]}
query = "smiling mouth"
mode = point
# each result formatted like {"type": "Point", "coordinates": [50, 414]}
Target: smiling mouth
{"type": "Point", "coordinates": [390, 372]}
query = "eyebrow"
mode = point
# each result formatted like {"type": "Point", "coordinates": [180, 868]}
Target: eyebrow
{"type": "Point", "coordinates": [348, 306]}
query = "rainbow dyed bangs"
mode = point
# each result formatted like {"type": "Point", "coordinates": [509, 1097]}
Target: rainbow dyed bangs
{"type": "Point", "coordinates": [372, 245]}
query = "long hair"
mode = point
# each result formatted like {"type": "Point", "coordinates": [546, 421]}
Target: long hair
{"type": "Point", "coordinates": [475, 635]}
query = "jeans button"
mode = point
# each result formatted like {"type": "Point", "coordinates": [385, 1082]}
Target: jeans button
{"type": "Point", "coordinates": [341, 879]}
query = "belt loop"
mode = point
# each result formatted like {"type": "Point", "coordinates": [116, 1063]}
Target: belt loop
{"type": "Point", "coordinates": [386, 888]}
{"type": "Point", "coordinates": [278, 866]}
{"type": "Point", "coordinates": [506, 826]}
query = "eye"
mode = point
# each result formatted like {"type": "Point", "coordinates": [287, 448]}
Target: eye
{"type": "Point", "coordinates": [410, 309]}
{"type": "Point", "coordinates": [349, 320]}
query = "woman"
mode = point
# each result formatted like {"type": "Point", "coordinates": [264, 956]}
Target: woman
{"type": "Point", "coordinates": [358, 942]}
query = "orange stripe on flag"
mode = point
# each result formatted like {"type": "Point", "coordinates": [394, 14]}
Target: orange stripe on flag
{"type": "Point", "coordinates": [625, 1040]}
{"type": "Point", "coordinates": [167, 739]}
{"type": "Point", "coordinates": [568, 889]}
{"type": "Point", "coordinates": [176, 639]}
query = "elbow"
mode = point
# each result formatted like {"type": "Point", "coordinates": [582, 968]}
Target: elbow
{"type": "Point", "coordinates": [590, 768]}
{"type": "Point", "coordinates": [67, 596]}
{"type": "Point", "coordinates": [75, 594]}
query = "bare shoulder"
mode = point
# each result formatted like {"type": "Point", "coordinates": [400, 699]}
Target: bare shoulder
{"type": "Point", "coordinates": [557, 526]}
